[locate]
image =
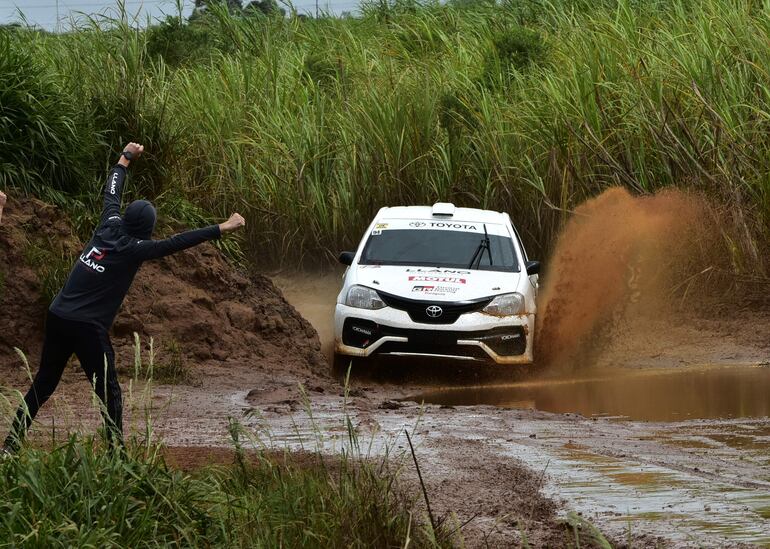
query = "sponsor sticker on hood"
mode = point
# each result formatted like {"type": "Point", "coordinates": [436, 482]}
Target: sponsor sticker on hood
{"type": "Point", "coordinates": [446, 279]}
{"type": "Point", "coordinates": [435, 290]}
{"type": "Point", "coordinates": [442, 284]}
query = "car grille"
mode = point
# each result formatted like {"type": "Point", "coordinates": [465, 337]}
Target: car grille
{"type": "Point", "coordinates": [505, 340]}
{"type": "Point", "coordinates": [410, 348]}
{"type": "Point", "coordinates": [418, 309]}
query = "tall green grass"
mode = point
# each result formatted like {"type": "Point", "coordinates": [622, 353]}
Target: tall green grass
{"type": "Point", "coordinates": [310, 125]}
{"type": "Point", "coordinates": [80, 493]}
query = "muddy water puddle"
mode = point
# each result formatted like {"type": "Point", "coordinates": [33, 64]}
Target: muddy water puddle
{"type": "Point", "coordinates": [627, 494]}
{"type": "Point", "coordinates": [641, 395]}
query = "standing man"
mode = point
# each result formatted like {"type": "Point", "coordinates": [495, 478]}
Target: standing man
{"type": "Point", "coordinates": [80, 317]}
{"type": "Point", "coordinates": [3, 198]}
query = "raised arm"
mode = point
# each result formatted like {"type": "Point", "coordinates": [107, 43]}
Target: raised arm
{"type": "Point", "coordinates": [154, 249]}
{"type": "Point", "coordinates": [113, 188]}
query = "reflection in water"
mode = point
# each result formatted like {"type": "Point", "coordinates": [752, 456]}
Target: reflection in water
{"type": "Point", "coordinates": [671, 395]}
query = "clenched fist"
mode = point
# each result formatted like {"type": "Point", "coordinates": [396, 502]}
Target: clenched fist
{"type": "Point", "coordinates": [132, 151]}
{"type": "Point", "coordinates": [236, 221]}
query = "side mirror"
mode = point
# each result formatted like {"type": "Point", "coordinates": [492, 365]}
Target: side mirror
{"type": "Point", "coordinates": [346, 258]}
{"type": "Point", "coordinates": [533, 267]}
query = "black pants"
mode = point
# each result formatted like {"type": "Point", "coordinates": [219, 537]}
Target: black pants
{"type": "Point", "coordinates": [92, 346]}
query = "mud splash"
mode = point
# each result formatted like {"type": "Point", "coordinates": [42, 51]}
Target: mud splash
{"type": "Point", "coordinates": [647, 395]}
{"type": "Point", "coordinates": [617, 260]}
{"type": "Point", "coordinates": [314, 297]}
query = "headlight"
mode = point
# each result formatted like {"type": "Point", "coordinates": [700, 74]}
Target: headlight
{"type": "Point", "coordinates": [362, 297]}
{"type": "Point", "coordinates": [505, 305]}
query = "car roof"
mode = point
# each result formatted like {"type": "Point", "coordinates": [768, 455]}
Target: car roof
{"type": "Point", "coordinates": [426, 212]}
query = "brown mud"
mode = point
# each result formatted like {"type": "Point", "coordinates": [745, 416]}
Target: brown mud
{"type": "Point", "coordinates": [535, 519]}
{"type": "Point", "coordinates": [198, 309]}
{"type": "Point", "coordinates": [194, 458]}
{"type": "Point", "coordinates": [316, 294]}
{"type": "Point", "coordinates": [641, 395]}
{"type": "Point", "coordinates": [620, 258]}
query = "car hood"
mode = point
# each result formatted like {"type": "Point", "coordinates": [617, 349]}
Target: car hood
{"type": "Point", "coordinates": [434, 284]}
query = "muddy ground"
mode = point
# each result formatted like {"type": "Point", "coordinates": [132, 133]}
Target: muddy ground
{"type": "Point", "coordinates": [506, 473]}
{"type": "Point", "coordinates": [661, 439]}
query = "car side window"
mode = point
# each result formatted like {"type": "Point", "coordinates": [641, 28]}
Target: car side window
{"type": "Point", "coordinates": [518, 240]}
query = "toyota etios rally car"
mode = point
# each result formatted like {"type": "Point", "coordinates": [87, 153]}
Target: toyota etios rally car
{"type": "Point", "coordinates": [441, 282]}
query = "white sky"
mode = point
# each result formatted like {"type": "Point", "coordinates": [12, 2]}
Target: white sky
{"type": "Point", "coordinates": [43, 13]}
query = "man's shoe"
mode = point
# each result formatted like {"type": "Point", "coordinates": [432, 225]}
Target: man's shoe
{"type": "Point", "coordinates": [5, 453]}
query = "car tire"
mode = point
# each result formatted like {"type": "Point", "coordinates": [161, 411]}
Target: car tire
{"type": "Point", "coordinates": [343, 363]}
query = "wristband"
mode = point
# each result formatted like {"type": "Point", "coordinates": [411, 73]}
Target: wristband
{"type": "Point", "coordinates": [128, 154]}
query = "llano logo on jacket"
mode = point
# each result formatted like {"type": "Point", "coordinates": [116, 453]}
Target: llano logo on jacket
{"type": "Point", "coordinates": [90, 259]}
{"type": "Point", "coordinates": [113, 183]}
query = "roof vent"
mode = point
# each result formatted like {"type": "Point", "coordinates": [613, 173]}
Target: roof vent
{"type": "Point", "coordinates": [443, 209]}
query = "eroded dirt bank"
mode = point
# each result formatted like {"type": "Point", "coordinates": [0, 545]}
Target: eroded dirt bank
{"type": "Point", "coordinates": [200, 311]}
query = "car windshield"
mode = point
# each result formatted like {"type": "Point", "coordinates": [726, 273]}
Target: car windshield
{"type": "Point", "coordinates": [438, 248]}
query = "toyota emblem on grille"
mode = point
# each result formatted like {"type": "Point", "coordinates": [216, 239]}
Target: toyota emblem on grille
{"type": "Point", "coordinates": [434, 311]}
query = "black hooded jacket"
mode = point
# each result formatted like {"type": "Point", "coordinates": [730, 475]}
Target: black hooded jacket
{"type": "Point", "coordinates": [103, 273]}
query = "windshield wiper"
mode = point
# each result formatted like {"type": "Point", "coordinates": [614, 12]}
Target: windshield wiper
{"type": "Point", "coordinates": [478, 255]}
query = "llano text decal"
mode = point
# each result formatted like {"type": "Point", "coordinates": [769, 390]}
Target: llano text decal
{"type": "Point", "coordinates": [90, 259]}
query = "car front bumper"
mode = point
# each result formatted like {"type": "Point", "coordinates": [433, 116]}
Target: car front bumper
{"type": "Point", "coordinates": [473, 336]}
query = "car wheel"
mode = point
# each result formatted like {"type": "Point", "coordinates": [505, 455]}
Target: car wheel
{"type": "Point", "coordinates": [343, 363]}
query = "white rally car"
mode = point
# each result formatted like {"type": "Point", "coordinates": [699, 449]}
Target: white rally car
{"type": "Point", "coordinates": [441, 282]}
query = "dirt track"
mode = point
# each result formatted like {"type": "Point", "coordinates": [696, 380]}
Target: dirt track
{"type": "Point", "coordinates": [698, 482]}
{"type": "Point", "coordinates": [509, 472]}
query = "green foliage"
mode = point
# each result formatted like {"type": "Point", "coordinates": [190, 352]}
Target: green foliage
{"type": "Point", "coordinates": [178, 212]}
{"type": "Point", "coordinates": [513, 50]}
{"type": "Point", "coordinates": [127, 100]}
{"type": "Point", "coordinates": [178, 43]}
{"type": "Point", "coordinates": [79, 495]}
{"type": "Point", "coordinates": [413, 103]}
{"type": "Point", "coordinates": [455, 116]}
{"type": "Point", "coordinates": [43, 141]}
{"type": "Point", "coordinates": [519, 47]}
{"type": "Point", "coordinates": [263, 7]}
{"type": "Point", "coordinates": [320, 70]}
{"type": "Point", "coordinates": [170, 366]}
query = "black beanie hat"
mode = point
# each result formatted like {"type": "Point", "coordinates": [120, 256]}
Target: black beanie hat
{"type": "Point", "coordinates": [139, 219]}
